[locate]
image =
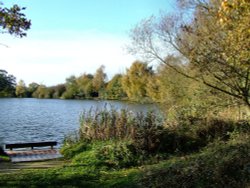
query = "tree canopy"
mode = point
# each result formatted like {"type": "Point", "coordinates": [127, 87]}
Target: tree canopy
{"type": "Point", "coordinates": [13, 21]}
{"type": "Point", "coordinates": [21, 90]}
{"type": "Point", "coordinates": [136, 79]}
{"type": "Point", "coordinates": [214, 41]}
{"type": "Point", "coordinates": [7, 84]}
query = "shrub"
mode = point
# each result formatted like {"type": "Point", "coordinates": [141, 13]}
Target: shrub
{"type": "Point", "coordinates": [70, 150]}
{"type": "Point", "coordinates": [106, 155]}
{"type": "Point", "coordinates": [169, 142]}
{"type": "Point", "coordinates": [117, 155]}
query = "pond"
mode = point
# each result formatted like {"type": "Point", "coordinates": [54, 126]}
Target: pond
{"type": "Point", "coordinates": [33, 120]}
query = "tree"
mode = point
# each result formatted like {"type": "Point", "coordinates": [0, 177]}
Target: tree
{"type": "Point", "coordinates": [42, 92]}
{"type": "Point", "coordinates": [220, 47]}
{"type": "Point", "coordinates": [7, 84]}
{"type": "Point", "coordinates": [85, 85]}
{"type": "Point", "coordinates": [99, 80]}
{"type": "Point", "coordinates": [58, 90]}
{"type": "Point", "coordinates": [32, 88]}
{"type": "Point", "coordinates": [114, 88]}
{"type": "Point", "coordinates": [214, 42]}
{"type": "Point", "coordinates": [71, 88]}
{"type": "Point", "coordinates": [135, 81]}
{"type": "Point", "coordinates": [13, 21]}
{"type": "Point", "coordinates": [184, 98]}
{"type": "Point", "coordinates": [21, 90]}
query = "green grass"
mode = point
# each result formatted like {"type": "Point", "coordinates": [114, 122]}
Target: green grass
{"type": "Point", "coordinates": [69, 176]}
{"type": "Point", "coordinates": [4, 159]}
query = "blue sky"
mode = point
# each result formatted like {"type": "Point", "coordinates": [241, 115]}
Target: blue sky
{"type": "Point", "coordinates": [73, 37]}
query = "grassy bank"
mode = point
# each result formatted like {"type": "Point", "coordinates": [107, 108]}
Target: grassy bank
{"type": "Point", "coordinates": [225, 164]}
{"type": "Point", "coordinates": [109, 152]}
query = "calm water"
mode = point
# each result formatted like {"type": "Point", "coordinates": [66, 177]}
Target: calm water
{"type": "Point", "coordinates": [31, 120]}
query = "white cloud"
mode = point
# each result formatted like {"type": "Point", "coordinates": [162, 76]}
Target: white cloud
{"type": "Point", "coordinates": [52, 57]}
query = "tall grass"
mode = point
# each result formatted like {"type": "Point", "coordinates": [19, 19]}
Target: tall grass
{"type": "Point", "coordinates": [110, 124]}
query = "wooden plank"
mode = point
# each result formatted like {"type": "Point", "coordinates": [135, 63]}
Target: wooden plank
{"type": "Point", "coordinates": [33, 155]}
{"type": "Point", "coordinates": [15, 167]}
{"type": "Point", "coordinates": [31, 144]}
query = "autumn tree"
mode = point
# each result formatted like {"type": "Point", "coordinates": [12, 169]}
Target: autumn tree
{"type": "Point", "coordinates": [58, 91]}
{"type": "Point", "coordinates": [43, 92]}
{"type": "Point", "coordinates": [214, 41]}
{"type": "Point", "coordinates": [32, 87]}
{"type": "Point", "coordinates": [99, 80]}
{"type": "Point", "coordinates": [183, 98]}
{"type": "Point", "coordinates": [135, 81]}
{"type": "Point", "coordinates": [21, 89]}
{"type": "Point", "coordinates": [71, 88]}
{"type": "Point", "coordinates": [220, 47]}
{"type": "Point", "coordinates": [85, 85]}
{"type": "Point", "coordinates": [114, 88]}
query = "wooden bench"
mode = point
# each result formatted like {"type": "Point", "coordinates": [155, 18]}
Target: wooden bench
{"type": "Point", "coordinates": [31, 145]}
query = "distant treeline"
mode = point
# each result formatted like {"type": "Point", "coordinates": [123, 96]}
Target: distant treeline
{"type": "Point", "coordinates": [130, 86]}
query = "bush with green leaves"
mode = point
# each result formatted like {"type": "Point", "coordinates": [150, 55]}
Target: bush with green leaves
{"type": "Point", "coordinates": [102, 154]}
{"type": "Point", "coordinates": [70, 150]}
{"type": "Point", "coordinates": [117, 155]}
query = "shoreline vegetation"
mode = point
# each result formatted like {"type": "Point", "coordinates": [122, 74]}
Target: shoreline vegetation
{"type": "Point", "coordinates": [123, 149]}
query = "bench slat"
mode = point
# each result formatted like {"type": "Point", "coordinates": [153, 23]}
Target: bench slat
{"type": "Point", "coordinates": [31, 144]}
